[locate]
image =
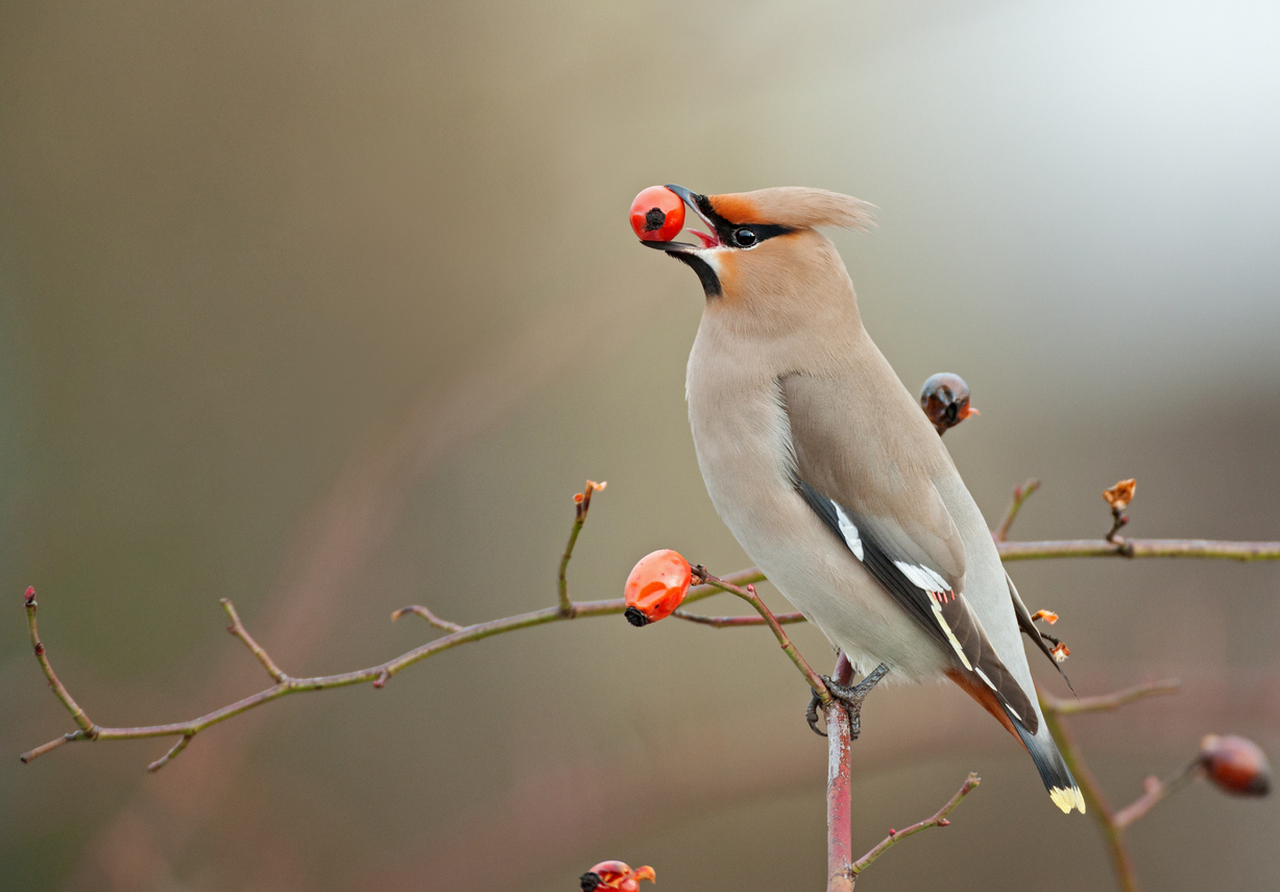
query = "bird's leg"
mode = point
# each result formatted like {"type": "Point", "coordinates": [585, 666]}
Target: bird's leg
{"type": "Point", "coordinates": [853, 695]}
{"type": "Point", "coordinates": [850, 695]}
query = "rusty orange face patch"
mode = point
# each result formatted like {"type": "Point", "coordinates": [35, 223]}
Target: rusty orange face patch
{"type": "Point", "coordinates": [736, 208]}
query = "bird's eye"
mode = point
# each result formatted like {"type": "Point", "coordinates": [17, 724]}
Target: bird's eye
{"type": "Point", "coordinates": [744, 237]}
{"type": "Point", "coordinates": [952, 412]}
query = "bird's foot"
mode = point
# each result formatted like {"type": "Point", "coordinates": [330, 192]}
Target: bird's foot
{"type": "Point", "coordinates": [851, 696]}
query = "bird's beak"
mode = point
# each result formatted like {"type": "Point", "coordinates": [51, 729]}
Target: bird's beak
{"type": "Point", "coordinates": [709, 239]}
{"type": "Point", "coordinates": [973, 410]}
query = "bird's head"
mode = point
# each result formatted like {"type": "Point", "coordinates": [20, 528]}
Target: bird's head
{"type": "Point", "coordinates": [762, 248]}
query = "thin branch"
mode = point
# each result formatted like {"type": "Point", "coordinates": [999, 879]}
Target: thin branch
{"type": "Point", "coordinates": [566, 609]}
{"type": "Point", "coordinates": [1154, 791]}
{"type": "Point", "coordinates": [1020, 495]}
{"type": "Point", "coordinates": [582, 501]}
{"type": "Point", "coordinates": [376, 675]}
{"type": "Point", "coordinates": [1118, 519]}
{"type": "Point", "coordinates": [419, 610]}
{"type": "Point", "coordinates": [726, 622]}
{"type": "Point", "coordinates": [237, 629]}
{"type": "Point", "coordinates": [938, 820]}
{"type": "Point", "coordinates": [173, 751]}
{"type": "Point", "coordinates": [86, 725]}
{"type": "Point", "coordinates": [51, 745]}
{"type": "Point", "coordinates": [1093, 797]}
{"type": "Point", "coordinates": [1140, 548]}
{"type": "Point", "coordinates": [1110, 702]}
{"type": "Point", "coordinates": [749, 595]}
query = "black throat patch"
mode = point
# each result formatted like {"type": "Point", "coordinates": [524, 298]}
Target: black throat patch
{"type": "Point", "coordinates": [706, 275]}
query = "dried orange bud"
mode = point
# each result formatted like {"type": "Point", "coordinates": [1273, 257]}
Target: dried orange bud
{"type": "Point", "coordinates": [1047, 615]}
{"type": "Point", "coordinates": [1061, 652]}
{"type": "Point", "coordinates": [1235, 765]}
{"type": "Point", "coordinates": [1120, 495]}
{"type": "Point", "coordinates": [615, 875]}
{"type": "Point", "coordinates": [656, 586]}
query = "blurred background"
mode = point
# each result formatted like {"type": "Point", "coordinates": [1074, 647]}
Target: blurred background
{"type": "Point", "coordinates": [330, 308]}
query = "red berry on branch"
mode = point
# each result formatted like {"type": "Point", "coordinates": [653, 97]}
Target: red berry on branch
{"type": "Point", "coordinates": [656, 586]}
{"type": "Point", "coordinates": [615, 875]}
{"type": "Point", "coordinates": [1235, 765]}
{"type": "Point", "coordinates": [657, 214]}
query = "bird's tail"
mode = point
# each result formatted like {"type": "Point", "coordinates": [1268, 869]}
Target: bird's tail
{"type": "Point", "coordinates": [1062, 787]}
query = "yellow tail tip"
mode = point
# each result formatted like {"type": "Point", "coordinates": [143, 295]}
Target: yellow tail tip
{"type": "Point", "coordinates": [1067, 799]}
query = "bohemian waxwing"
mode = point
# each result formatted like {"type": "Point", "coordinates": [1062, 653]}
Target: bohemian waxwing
{"type": "Point", "coordinates": [826, 471]}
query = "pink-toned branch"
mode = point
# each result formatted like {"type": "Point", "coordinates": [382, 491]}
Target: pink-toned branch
{"type": "Point", "coordinates": [1111, 702]}
{"type": "Point", "coordinates": [372, 674]}
{"type": "Point", "coordinates": [840, 876]}
{"type": "Point", "coordinates": [730, 622]}
{"type": "Point", "coordinates": [1020, 495]}
{"type": "Point", "coordinates": [1155, 790]}
{"type": "Point", "coordinates": [567, 609]}
{"type": "Point", "coordinates": [378, 675]}
{"type": "Point", "coordinates": [1112, 823]}
{"type": "Point", "coordinates": [939, 819]}
{"type": "Point", "coordinates": [749, 595]}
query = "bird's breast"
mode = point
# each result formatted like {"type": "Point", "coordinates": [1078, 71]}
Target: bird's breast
{"type": "Point", "coordinates": [742, 437]}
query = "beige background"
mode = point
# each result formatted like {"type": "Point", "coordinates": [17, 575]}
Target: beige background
{"type": "Point", "coordinates": [329, 308]}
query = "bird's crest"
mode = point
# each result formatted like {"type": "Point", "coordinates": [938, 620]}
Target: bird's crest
{"type": "Point", "coordinates": [795, 207]}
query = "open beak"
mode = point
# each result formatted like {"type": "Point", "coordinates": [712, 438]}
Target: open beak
{"type": "Point", "coordinates": [709, 239]}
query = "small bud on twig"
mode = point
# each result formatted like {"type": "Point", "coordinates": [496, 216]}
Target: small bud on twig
{"type": "Point", "coordinates": [1120, 495]}
{"type": "Point", "coordinates": [1047, 615]}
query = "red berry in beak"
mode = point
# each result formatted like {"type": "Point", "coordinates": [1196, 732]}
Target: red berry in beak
{"type": "Point", "coordinates": [657, 214]}
{"type": "Point", "coordinates": [656, 586]}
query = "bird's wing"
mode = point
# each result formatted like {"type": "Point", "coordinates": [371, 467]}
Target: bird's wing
{"type": "Point", "coordinates": [854, 474]}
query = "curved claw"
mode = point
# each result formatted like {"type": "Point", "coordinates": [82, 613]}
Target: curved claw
{"type": "Point", "coordinates": [811, 713]}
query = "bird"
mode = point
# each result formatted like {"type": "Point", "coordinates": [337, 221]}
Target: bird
{"type": "Point", "coordinates": [823, 467]}
{"type": "Point", "coordinates": [945, 399]}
